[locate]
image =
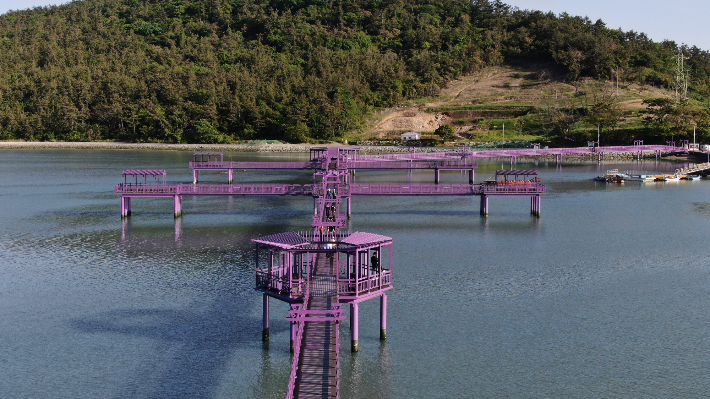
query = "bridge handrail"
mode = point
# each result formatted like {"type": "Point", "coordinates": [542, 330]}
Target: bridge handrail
{"type": "Point", "coordinates": [412, 164]}
{"type": "Point", "coordinates": [255, 165]}
{"type": "Point", "coordinates": [363, 189]}
{"type": "Point", "coordinates": [187, 189]}
{"type": "Point", "coordinates": [364, 283]}
{"type": "Point", "coordinates": [149, 188]}
{"type": "Point", "coordinates": [513, 188]}
{"type": "Point", "coordinates": [516, 152]}
{"type": "Point", "coordinates": [270, 281]}
{"type": "Point", "coordinates": [297, 346]}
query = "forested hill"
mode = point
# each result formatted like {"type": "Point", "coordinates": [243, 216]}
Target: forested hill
{"type": "Point", "coordinates": [293, 70]}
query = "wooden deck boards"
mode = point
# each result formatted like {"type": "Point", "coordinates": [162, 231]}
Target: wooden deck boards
{"type": "Point", "coordinates": [317, 373]}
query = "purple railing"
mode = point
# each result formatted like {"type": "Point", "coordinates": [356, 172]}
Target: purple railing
{"type": "Point", "coordinates": [217, 165]}
{"type": "Point", "coordinates": [129, 188]}
{"type": "Point", "coordinates": [418, 164]}
{"type": "Point", "coordinates": [414, 189]}
{"type": "Point", "coordinates": [512, 188]}
{"type": "Point", "coordinates": [364, 284]}
{"type": "Point", "coordinates": [513, 152]}
{"type": "Point", "coordinates": [297, 345]}
{"type": "Point", "coordinates": [215, 189]}
{"type": "Point", "coordinates": [310, 190]}
{"type": "Point", "coordinates": [337, 361]}
{"type": "Point", "coordinates": [272, 282]}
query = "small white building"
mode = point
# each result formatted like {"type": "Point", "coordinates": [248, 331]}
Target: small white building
{"type": "Point", "coordinates": [411, 136]}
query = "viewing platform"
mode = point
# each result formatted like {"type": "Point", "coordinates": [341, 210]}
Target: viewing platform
{"type": "Point", "coordinates": [316, 274]}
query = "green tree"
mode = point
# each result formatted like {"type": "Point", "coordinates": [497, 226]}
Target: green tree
{"type": "Point", "coordinates": [604, 114]}
{"type": "Point", "coordinates": [446, 132]}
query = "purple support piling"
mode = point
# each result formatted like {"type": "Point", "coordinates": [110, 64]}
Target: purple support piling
{"type": "Point", "coordinates": [354, 326]}
{"type": "Point", "coordinates": [383, 316]}
{"type": "Point", "coordinates": [484, 205]}
{"type": "Point", "coordinates": [178, 206]}
{"type": "Point", "coordinates": [535, 205]}
{"type": "Point", "coordinates": [195, 175]}
{"type": "Point", "coordinates": [470, 176]}
{"type": "Point", "coordinates": [125, 206]}
{"type": "Point", "coordinates": [437, 176]}
{"type": "Point", "coordinates": [230, 175]}
{"type": "Point", "coordinates": [265, 322]}
{"type": "Point", "coordinates": [348, 200]}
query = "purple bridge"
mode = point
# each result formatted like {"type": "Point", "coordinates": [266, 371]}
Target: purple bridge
{"type": "Point", "coordinates": [334, 166]}
{"type": "Point", "coordinates": [321, 271]}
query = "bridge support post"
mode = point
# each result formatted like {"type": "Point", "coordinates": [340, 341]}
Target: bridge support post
{"type": "Point", "coordinates": [195, 175]}
{"type": "Point", "coordinates": [437, 176]}
{"type": "Point", "coordinates": [230, 175]}
{"type": "Point", "coordinates": [484, 205]}
{"type": "Point", "coordinates": [470, 176]}
{"type": "Point", "coordinates": [513, 160]}
{"type": "Point", "coordinates": [125, 206]}
{"type": "Point", "coordinates": [383, 317]}
{"type": "Point", "coordinates": [178, 206]}
{"type": "Point", "coordinates": [535, 205]}
{"type": "Point", "coordinates": [348, 201]}
{"type": "Point", "coordinates": [354, 327]}
{"type": "Point", "coordinates": [265, 321]}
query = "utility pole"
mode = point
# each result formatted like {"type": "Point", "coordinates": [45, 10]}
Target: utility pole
{"type": "Point", "coordinates": [681, 77]}
{"type": "Point", "coordinates": [598, 133]}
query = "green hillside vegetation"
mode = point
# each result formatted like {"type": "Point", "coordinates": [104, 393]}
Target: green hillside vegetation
{"type": "Point", "coordinates": [220, 71]}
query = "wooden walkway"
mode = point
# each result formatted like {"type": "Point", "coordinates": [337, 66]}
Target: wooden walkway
{"type": "Point", "coordinates": [318, 371]}
{"type": "Point", "coordinates": [691, 169]}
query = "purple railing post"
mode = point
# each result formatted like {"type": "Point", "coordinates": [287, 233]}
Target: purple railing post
{"type": "Point", "coordinates": [265, 321]}
{"type": "Point", "coordinates": [294, 328]}
{"type": "Point", "coordinates": [383, 316]}
{"type": "Point", "coordinates": [354, 326]}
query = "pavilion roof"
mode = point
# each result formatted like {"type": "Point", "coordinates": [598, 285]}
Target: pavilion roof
{"type": "Point", "coordinates": [140, 172]}
{"type": "Point", "coordinates": [287, 240]}
{"type": "Point", "coordinates": [363, 239]}
{"type": "Point", "coordinates": [517, 172]}
{"type": "Point", "coordinates": [293, 240]}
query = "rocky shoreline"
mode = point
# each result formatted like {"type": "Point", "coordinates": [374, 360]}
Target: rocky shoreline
{"type": "Point", "coordinates": [293, 148]}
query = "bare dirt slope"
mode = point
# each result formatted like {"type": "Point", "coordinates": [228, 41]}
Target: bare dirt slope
{"type": "Point", "coordinates": [500, 86]}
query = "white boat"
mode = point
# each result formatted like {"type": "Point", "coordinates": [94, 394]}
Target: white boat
{"type": "Point", "coordinates": [691, 177]}
{"type": "Point", "coordinates": [641, 178]}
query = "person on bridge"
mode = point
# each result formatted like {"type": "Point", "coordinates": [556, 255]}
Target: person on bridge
{"type": "Point", "coordinates": [374, 262]}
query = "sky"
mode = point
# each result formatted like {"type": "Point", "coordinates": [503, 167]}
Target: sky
{"type": "Point", "coordinates": [683, 21]}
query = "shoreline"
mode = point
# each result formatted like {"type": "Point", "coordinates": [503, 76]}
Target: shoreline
{"type": "Point", "coordinates": [283, 148]}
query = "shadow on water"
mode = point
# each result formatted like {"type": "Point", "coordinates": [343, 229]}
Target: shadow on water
{"type": "Point", "coordinates": [196, 347]}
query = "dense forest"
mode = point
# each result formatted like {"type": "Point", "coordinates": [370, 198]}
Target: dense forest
{"type": "Point", "coordinates": [214, 71]}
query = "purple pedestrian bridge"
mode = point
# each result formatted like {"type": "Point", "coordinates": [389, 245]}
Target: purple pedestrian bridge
{"type": "Point", "coordinates": [321, 271]}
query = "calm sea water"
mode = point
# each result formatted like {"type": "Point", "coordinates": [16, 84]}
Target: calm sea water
{"type": "Point", "coordinates": [606, 295]}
